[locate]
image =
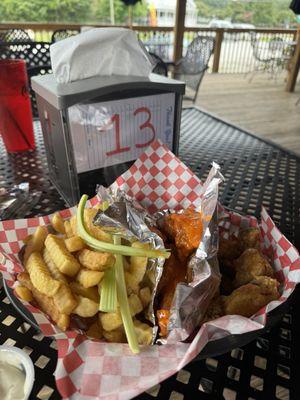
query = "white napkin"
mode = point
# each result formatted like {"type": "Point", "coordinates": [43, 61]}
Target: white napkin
{"type": "Point", "coordinates": [99, 51]}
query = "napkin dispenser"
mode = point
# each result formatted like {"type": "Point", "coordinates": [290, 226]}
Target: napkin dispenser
{"type": "Point", "coordinates": [94, 129]}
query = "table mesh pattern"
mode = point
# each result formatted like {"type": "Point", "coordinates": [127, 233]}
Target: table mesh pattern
{"type": "Point", "coordinates": [255, 172]}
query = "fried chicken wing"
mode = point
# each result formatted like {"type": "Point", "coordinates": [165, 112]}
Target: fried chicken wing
{"type": "Point", "coordinates": [249, 239]}
{"type": "Point", "coordinates": [248, 299]}
{"type": "Point", "coordinates": [250, 265]}
{"type": "Point", "coordinates": [215, 309]}
{"type": "Point", "coordinates": [229, 250]}
{"type": "Point", "coordinates": [185, 229]}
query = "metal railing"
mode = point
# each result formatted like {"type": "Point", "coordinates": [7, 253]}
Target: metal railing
{"type": "Point", "coordinates": [233, 51]}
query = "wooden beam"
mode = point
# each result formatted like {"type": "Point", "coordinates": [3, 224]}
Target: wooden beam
{"type": "Point", "coordinates": [217, 49]}
{"type": "Point", "coordinates": [294, 67]}
{"type": "Point", "coordinates": [179, 29]}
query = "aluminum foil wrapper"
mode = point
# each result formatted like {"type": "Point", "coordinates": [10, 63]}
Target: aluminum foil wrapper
{"type": "Point", "coordinates": [192, 299]}
{"type": "Point", "coordinates": [126, 217]}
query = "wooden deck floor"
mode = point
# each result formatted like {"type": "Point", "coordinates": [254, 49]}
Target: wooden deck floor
{"type": "Point", "coordinates": [262, 106]}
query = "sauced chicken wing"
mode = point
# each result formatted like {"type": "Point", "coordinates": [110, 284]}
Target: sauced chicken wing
{"type": "Point", "coordinates": [248, 299]}
{"type": "Point", "coordinates": [250, 265]}
{"type": "Point", "coordinates": [185, 229]}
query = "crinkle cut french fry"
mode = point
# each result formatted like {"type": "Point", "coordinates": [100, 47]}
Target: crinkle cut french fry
{"type": "Point", "coordinates": [45, 303]}
{"type": "Point", "coordinates": [54, 271]}
{"type": "Point", "coordinates": [40, 275]}
{"type": "Point", "coordinates": [91, 292]}
{"type": "Point", "coordinates": [145, 296]}
{"type": "Point", "coordinates": [68, 229]}
{"type": "Point", "coordinates": [116, 336]}
{"type": "Point", "coordinates": [65, 300]}
{"type": "Point", "coordinates": [112, 321]}
{"type": "Point", "coordinates": [137, 269]}
{"type": "Point", "coordinates": [24, 293]}
{"type": "Point", "coordinates": [85, 307]}
{"type": "Point", "coordinates": [95, 330]}
{"type": "Point", "coordinates": [88, 278]}
{"type": "Point", "coordinates": [58, 223]}
{"type": "Point", "coordinates": [36, 242]}
{"type": "Point", "coordinates": [95, 260]}
{"type": "Point", "coordinates": [74, 243]}
{"type": "Point", "coordinates": [144, 332]}
{"type": "Point", "coordinates": [65, 261]}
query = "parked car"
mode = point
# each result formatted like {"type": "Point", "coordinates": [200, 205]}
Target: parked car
{"type": "Point", "coordinates": [220, 23]}
{"type": "Point", "coordinates": [240, 25]}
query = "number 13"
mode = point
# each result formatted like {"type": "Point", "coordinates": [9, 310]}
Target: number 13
{"type": "Point", "coordinates": [115, 119]}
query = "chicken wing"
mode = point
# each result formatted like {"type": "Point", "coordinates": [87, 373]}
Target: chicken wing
{"type": "Point", "coordinates": [248, 299]}
{"type": "Point", "coordinates": [250, 265]}
{"type": "Point", "coordinates": [249, 238]}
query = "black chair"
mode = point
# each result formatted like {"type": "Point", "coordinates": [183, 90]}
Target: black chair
{"type": "Point", "coordinates": [160, 66]}
{"type": "Point", "coordinates": [61, 34]}
{"type": "Point", "coordinates": [192, 66]}
{"type": "Point", "coordinates": [34, 53]}
{"type": "Point", "coordinates": [270, 56]}
{"type": "Point", "coordinates": [14, 35]}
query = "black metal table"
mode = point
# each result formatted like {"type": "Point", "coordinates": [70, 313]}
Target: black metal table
{"type": "Point", "coordinates": [256, 172]}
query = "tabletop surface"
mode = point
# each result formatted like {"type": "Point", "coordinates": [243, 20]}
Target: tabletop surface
{"type": "Point", "coordinates": [256, 173]}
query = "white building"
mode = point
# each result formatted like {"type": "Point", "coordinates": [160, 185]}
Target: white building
{"type": "Point", "coordinates": [166, 9]}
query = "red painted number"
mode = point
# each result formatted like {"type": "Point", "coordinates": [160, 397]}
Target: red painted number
{"type": "Point", "coordinates": [116, 119]}
{"type": "Point", "coordinates": [146, 124]}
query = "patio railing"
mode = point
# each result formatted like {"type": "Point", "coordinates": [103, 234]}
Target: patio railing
{"type": "Point", "coordinates": [233, 52]}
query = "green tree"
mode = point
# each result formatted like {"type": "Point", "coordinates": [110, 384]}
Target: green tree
{"type": "Point", "coordinates": [101, 11]}
{"type": "Point", "coordinates": [45, 11]}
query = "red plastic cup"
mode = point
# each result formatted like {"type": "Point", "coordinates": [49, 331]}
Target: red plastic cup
{"type": "Point", "coordinates": [16, 125]}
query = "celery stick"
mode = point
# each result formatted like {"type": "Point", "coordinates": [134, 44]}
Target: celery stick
{"type": "Point", "coordinates": [108, 292]}
{"type": "Point", "coordinates": [123, 302]}
{"type": "Point", "coordinates": [109, 247]}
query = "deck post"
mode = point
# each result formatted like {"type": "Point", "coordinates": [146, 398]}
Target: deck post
{"type": "Point", "coordinates": [217, 49]}
{"type": "Point", "coordinates": [294, 67]}
{"type": "Point", "coordinates": [179, 29]}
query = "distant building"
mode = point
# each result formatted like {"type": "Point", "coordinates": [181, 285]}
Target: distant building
{"type": "Point", "coordinates": [163, 12]}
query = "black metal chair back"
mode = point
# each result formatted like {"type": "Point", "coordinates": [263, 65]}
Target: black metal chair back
{"type": "Point", "coordinates": [192, 66]}
{"type": "Point", "coordinates": [61, 34]}
{"type": "Point", "coordinates": [14, 35]}
{"type": "Point", "coordinates": [160, 66]}
{"type": "Point", "coordinates": [34, 53]}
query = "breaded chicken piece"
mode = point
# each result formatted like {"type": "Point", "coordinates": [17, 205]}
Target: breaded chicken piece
{"type": "Point", "coordinates": [250, 265]}
{"type": "Point", "coordinates": [229, 249]}
{"type": "Point", "coordinates": [249, 239]}
{"type": "Point", "coordinates": [248, 299]}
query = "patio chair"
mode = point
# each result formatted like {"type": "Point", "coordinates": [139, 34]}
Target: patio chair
{"type": "Point", "coordinates": [61, 34]}
{"type": "Point", "coordinates": [192, 66]}
{"type": "Point", "coordinates": [14, 35]}
{"type": "Point", "coordinates": [34, 53]}
{"type": "Point", "coordinates": [270, 56]}
{"type": "Point", "coordinates": [160, 67]}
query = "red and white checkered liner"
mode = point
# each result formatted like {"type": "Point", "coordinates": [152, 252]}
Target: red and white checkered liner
{"type": "Point", "coordinates": [88, 369]}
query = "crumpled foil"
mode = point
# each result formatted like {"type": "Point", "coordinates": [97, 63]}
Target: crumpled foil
{"type": "Point", "coordinates": [17, 200]}
{"type": "Point", "coordinates": [126, 217]}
